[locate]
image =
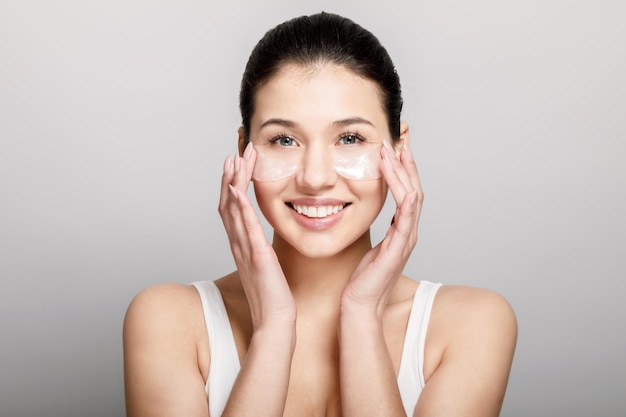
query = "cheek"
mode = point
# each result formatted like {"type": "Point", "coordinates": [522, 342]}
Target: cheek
{"type": "Point", "coordinates": [380, 189]}
{"type": "Point", "coordinates": [266, 193]}
{"type": "Point", "coordinates": [372, 193]}
{"type": "Point", "coordinates": [380, 197]}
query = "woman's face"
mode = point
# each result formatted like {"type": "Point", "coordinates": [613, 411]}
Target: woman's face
{"type": "Point", "coordinates": [318, 133]}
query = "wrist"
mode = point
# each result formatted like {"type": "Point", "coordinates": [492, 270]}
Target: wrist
{"type": "Point", "coordinates": [360, 310]}
{"type": "Point", "coordinates": [278, 318]}
{"type": "Point", "coordinates": [359, 321]}
{"type": "Point", "coordinates": [277, 335]}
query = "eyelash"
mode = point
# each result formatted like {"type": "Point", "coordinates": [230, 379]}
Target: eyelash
{"type": "Point", "coordinates": [358, 137]}
{"type": "Point", "coordinates": [280, 136]}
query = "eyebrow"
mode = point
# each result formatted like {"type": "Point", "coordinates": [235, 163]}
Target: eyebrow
{"type": "Point", "coordinates": [352, 121]}
{"type": "Point", "coordinates": [339, 123]}
{"type": "Point", "coordinates": [279, 122]}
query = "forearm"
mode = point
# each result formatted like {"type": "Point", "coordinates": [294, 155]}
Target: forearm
{"type": "Point", "coordinates": [261, 386]}
{"type": "Point", "coordinates": [368, 382]}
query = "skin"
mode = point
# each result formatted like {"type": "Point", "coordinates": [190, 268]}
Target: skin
{"type": "Point", "coordinates": [319, 313]}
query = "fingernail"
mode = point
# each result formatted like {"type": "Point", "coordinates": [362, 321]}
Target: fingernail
{"type": "Point", "coordinates": [227, 163]}
{"type": "Point", "coordinates": [237, 162]}
{"type": "Point", "coordinates": [248, 151]}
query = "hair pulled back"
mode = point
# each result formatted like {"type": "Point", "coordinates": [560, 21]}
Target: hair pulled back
{"type": "Point", "coordinates": [319, 39]}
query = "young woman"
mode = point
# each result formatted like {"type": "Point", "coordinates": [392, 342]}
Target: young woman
{"type": "Point", "coordinates": [320, 322]}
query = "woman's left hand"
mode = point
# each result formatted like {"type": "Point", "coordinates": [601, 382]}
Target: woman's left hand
{"type": "Point", "coordinates": [375, 276]}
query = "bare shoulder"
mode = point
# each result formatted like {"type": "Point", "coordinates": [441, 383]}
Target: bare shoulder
{"type": "Point", "coordinates": [466, 318]}
{"type": "Point", "coordinates": [469, 352]}
{"type": "Point", "coordinates": [166, 318]}
{"type": "Point", "coordinates": [164, 369]}
{"type": "Point", "coordinates": [166, 306]}
{"type": "Point", "coordinates": [463, 308]}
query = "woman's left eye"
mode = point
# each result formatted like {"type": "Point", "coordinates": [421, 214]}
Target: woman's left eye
{"type": "Point", "coordinates": [350, 139]}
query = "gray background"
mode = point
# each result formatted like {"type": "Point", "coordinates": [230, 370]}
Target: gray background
{"type": "Point", "coordinates": [115, 118]}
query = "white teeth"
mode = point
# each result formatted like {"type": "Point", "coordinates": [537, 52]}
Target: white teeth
{"type": "Point", "coordinates": [317, 211]}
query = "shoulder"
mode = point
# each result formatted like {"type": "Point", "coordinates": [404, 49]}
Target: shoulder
{"type": "Point", "coordinates": [469, 351]}
{"type": "Point", "coordinates": [464, 316]}
{"type": "Point", "coordinates": [462, 297]}
{"type": "Point", "coordinates": [463, 307]}
{"type": "Point", "coordinates": [470, 322]}
{"type": "Point", "coordinates": [165, 351]}
{"type": "Point", "coordinates": [164, 329]}
{"type": "Point", "coordinates": [161, 312]}
{"type": "Point", "coordinates": [163, 300]}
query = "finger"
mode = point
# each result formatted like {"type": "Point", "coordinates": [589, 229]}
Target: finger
{"type": "Point", "coordinates": [408, 174]}
{"type": "Point", "coordinates": [395, 176]}
{"type": "Point", "coordinates": [400, 167]}
{"type": "Point", "coordinates": [227, 177]}
{"type": "Point", "coordinates": [239, 217]}
{"type": "Point", "coordinates": [402, 236]}
{"type": "Point", "coordinates": [411, 168]}
{"type": "Point", "coordinates": [234, 212]}
{"type": "Point", "coordinates": [237, 237]}
{"type": "Point", "coordinates": [408, 162]}
{"type": "Point", "coordinates": [243, 167]}
{"type": "Point", "coordinates": [239, 177]}
{"type": "Point", "coordinates": [249, 157]}
{"type": "Point", "coordinates": [246, 223]}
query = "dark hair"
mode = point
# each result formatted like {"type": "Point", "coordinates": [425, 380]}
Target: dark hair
{"type": "Point", "coordinates": [317, 39]}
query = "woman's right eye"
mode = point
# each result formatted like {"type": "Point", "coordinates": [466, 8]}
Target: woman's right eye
{"type": "Point", "coordinates": [283, 140]}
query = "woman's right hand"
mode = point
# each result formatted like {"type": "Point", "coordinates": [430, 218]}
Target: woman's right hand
{"type": "Point", "coordinates": [261, 275]}
{"type": "Point", "coordinates": [272, 307]}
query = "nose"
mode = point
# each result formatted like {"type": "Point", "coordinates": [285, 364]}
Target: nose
{"type": "Point", "coordinates": [316, 170]}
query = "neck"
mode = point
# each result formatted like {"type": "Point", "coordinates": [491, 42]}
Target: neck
{"type": "Point", "coordinates": [315, 278]}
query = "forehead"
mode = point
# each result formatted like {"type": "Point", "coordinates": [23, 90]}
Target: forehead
{"type": "Point", "coordinates": [319, 94]}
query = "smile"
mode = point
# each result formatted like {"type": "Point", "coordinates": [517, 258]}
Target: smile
{"type": "Point", "coordinates": [317, 211]}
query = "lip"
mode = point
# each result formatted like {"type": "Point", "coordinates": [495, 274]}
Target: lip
{"type": "Point", "coordinates": [318, 202]}
{"type": "Point", "coordinates": [317, 223]}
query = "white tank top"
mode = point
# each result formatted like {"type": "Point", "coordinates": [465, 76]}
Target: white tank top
{"type": "Point", "coordinates": [225, 365]}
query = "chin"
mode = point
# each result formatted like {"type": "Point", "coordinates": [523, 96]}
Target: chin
{"type": "Point", "coordinates": [319, 252]}
{"type": "Point", "coordinates": [322, 245]}
{"type": "Point", "coordinates": [314, 247]}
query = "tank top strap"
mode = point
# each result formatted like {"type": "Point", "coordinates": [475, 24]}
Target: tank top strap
{"type": "Point", "coordinates": [224, 365]}
{"type": "Point", "coordinates": [411, 372]}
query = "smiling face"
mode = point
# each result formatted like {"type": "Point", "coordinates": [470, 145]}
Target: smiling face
{"type": "Point", "coordinates": [314, 123]}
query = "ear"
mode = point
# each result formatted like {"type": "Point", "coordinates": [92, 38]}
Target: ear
{"type": "Point", "coordinates": [240, 141]}
{"type": "Point", "coordinates": [403, 140]}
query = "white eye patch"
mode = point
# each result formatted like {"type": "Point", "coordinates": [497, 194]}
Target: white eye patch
{"type": "Point", "coordinates": [358, 162]}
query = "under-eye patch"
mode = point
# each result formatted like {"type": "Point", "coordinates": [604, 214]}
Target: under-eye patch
{"type": "Point", "coordinates": [358, 162]}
